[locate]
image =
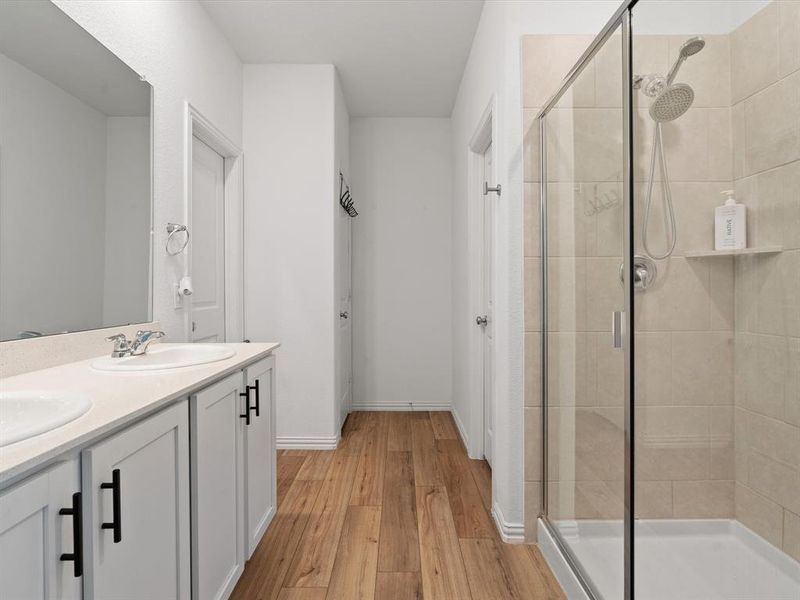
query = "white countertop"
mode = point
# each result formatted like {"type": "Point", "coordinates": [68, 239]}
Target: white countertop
{"type": "Point", "coordinates": [118, 399]}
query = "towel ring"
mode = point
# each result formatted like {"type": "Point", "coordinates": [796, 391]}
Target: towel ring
{"type": "Point", "coordinates": [172, 229]}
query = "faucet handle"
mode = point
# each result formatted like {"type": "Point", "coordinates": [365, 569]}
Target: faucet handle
{"type": "Point", "coordinates": [121, 344]}
{"type": "Point", "coordinates": [148, 334]}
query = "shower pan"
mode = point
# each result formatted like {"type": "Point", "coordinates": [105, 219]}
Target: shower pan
{"type": "Point", "coordinates": [670, 419]}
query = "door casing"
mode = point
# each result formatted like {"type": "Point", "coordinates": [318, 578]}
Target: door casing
{"type": "Point", "coordinates": [197, 125]}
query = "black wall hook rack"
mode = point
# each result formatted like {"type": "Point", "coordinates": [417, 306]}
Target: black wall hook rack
{"type": "Point", "coordinates": [345, 199]}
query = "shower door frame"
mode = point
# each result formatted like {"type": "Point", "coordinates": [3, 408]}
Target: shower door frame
{"type": "Point", "coordinates": [620, 20]}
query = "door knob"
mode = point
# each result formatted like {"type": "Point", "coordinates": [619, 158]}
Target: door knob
{"type": "Point", "coordinates": [482, 321]}
{"type": "Point", "coordinates": [344, 315]}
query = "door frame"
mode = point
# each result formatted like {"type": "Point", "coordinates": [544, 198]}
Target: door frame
{"type": "Point", "coordinates": [484, 136]}
{"type": "Point", "coordinates": [197, 125]}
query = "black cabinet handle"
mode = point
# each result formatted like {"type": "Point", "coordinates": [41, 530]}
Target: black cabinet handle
{"type": "Point", "coordinates": [76, 512]}
{"type": "Point", "coordinates": [116, 524]}
{"type": "Point", "coordinates": [246, 395]}
{"type": "Point", "coordinates": [258, 399]}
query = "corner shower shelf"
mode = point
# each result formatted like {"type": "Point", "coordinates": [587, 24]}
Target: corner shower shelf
{"type": "Point", "coordinates": [743, 252]}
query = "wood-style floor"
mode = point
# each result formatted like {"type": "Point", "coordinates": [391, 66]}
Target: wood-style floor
{"type": "Point", "coordinates": [398, 511]}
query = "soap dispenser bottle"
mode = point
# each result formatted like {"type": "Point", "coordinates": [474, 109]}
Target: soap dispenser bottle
{"type": "Point", "coordinates": [730, 222]}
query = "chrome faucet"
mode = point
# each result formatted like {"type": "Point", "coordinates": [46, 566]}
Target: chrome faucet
{"type": "Point", "coordinates": [143, 340]}
{"type": "Point", "coordinates": [136, 347]}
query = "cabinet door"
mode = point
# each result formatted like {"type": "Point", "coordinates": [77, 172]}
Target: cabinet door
{"type": "Point", "coordinates": [259, 456]}
{"type": "Point", "coordinates": [34, 536]}
{"type": "Point", "coordinates": [136, 510]}
{"type": "Point", "coordinates": [217, 493]}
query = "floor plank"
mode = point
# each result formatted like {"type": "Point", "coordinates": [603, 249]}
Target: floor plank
{"type": "Point", "coordinates": [469, 513]}
{"type": "Point", "coordinates": [482, 473]}
{"type": "Point", "coordinates": [368, 486]}
{"type": "Point", "coordinates": [399, 546]}
{"type": "Point", "coordinates": [444, 427]}
{"type": "Point", "coordinates": [356, 565]}
{"type": "Point", "coordinates": [313, 560]}
{"type": "Point", "coordinates": [426, 467]}
{"type": "Point", "coordinates": [354, 431]}
{"type": "Point", "coordinates": [398, 586]}
{"type": "Point", "coordinates": [399, 432]}
{"type": "Point", "coordinates": [288, 466]}
{"type": "Point", "coordinates": [316, 465]}
{"type": "Point", "coordinates": [265, 572]}
{"type": "Point", "coordinates": [489, 576]}
{"type": "Point", "coordinates": [303, 594]}
{"type": "Point", "coordinates": [443, 572]}
{"type": "Point", "coordinates": [531, 572]}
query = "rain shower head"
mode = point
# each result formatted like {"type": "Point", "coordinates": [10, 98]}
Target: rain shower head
{"type": "Point", "coordinates": [689, 48]}
{"type": "Point", "coordinates": [673, 101]}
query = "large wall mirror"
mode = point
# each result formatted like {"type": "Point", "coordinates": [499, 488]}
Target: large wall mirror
{"type": "Point", "coordinates": [75, 178]}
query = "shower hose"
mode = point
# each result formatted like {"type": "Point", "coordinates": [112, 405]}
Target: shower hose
{"type": "Point", "coordinates": [658, 148]}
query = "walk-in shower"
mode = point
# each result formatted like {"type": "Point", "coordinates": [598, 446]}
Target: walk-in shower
{"type": "Point", "coordinates": [669, 429]}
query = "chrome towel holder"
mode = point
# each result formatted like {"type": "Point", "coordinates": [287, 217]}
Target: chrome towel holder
{"type": "Point", "coordinates": [172, 229]}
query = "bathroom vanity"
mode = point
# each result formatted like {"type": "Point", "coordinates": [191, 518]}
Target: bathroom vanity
{"type": "Point", "coordinates": [162, 489]}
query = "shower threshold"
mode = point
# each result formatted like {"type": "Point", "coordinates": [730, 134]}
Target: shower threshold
{"type": "Point", "coordinates": [675, 560]}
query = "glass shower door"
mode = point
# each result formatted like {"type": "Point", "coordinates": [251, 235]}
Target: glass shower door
{"type": "Point", "coordinates": [583, 216]}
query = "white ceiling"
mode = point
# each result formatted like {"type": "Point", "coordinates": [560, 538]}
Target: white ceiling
{"type": "Point", "coordinates": [396, 58]}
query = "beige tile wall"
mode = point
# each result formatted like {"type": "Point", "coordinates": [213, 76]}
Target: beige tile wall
{"type": "Point", "coordinates": [766, 137]}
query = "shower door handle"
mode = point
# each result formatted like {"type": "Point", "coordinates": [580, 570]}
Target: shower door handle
{"type": "Point", "coordinates": [617, 328]}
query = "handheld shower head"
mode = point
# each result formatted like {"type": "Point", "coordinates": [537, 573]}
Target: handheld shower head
{"type": "Point", "coordinates": [689, 48]}
{"type": "Point", "coordinates": [692, 46]}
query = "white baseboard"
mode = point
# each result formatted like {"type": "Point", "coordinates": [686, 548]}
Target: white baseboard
{"type": "Point", "coordinates": [398, 406]}
{"type": "Point", "coordinates": [512, 533]}
{"type": "Point", "coordinates": [307, 443]}
{"type": "Point", "coordinates": [461, 430]}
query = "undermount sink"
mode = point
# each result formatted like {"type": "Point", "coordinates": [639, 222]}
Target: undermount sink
{"type": "Point", "coordinates": [26, 414]}
{"type": "Point", "coordinates": [166, 356]}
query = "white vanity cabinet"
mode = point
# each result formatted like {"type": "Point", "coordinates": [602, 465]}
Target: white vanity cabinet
{"type": "Point", "coordinates": [218, 413]}
{"type": "Point", "coordinates": [166, 502]}
{"type": "Point", "coordinates": [259, 452]}
{"type": "Point", "coordinates": [233, 475]}
{"type": "Point", "coordinates": [136, 511]}
{"type": "Point", "coordinates": [40, 536]}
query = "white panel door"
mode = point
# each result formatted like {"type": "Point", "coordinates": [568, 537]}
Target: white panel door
{"type": "Point", "coordinates": [35, 538]}
{"type": "Point", "coordinates": [344, 349]}
{"type": "Point", "coordinates": [259, 452]}
{"type": "Point", "coordinates": [217, 491]}
{"type": "Point", "coordinates": [207, 244]}
{"type": "Point", "coordinates": [136, 511]}
{"type": "Point", "coordinates": [488, 307]}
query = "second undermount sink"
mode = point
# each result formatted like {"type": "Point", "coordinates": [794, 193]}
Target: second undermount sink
{"type": "Point", "coordinates": [166, 356]}
{"type": "Point", "coordinates": [29, 413]}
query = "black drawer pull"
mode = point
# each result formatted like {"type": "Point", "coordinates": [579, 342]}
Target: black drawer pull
{"type": "Point", "coordinates": [258, 399]}
{"type": "Point", "coordinates": [246, 395]}
{"type": "Point", "coordinates": [116, 524]}
{"type": "Point", "coordinates": [76, 556]}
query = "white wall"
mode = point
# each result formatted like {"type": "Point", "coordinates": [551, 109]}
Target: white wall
{"type": "Point", "coordinates": [52, 203]}
{"type": "Point", "coordinates": [127, 225]}
{"type": "Point", "coordinates": [178, 49]}
{"type": "Point", "coordinates": [402, 309]}
{"type": "Point", "coordinates": [493, 72]}
{"type": "Point", "coordinates": [289, 237]}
